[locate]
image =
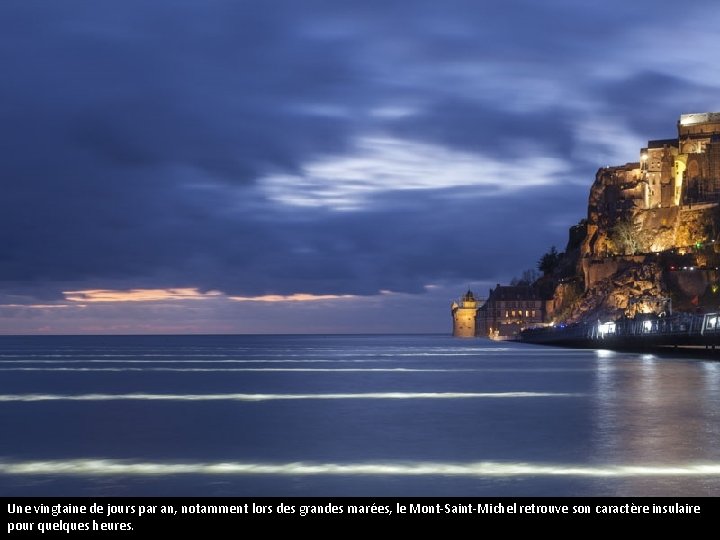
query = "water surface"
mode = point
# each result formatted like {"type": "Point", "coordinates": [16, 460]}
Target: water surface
{"type": "Point", "coordinates": [351, 415]}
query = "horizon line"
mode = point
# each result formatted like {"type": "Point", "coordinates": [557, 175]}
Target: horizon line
{"type": "Point", "coordinates": [449, 334]}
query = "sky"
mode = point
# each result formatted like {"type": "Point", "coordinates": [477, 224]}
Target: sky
{"type": "Point", "coordinates": [218, 166]}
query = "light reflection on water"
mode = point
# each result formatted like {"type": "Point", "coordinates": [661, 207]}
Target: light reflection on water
{"type": "Point", "coordinates": [127, 415]}
{"type": "Point", "coordinates": [657, 411]}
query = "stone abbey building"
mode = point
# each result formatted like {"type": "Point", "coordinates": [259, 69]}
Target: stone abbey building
{"type": "Point", "coordinates": [660, 195]}
{"type": "Point", "coordinates": [672, 172]}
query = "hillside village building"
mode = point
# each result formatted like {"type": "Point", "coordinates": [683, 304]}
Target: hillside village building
{"type": "Point", "coordinates": [508, 310]}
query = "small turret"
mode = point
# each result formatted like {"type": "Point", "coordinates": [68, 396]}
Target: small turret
{"type": "Point", "coordinates": [464, 314]}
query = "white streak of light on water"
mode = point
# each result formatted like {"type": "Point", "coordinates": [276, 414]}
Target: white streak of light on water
{"type": "Point", "coordinates": [268, 397]}
{"type": "Point", "coordinates": [85, 467]}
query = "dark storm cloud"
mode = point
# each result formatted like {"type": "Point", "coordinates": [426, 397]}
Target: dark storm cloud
{"type": "Point", "coordinates": [137, 137]}
{"type": "Point", "coordinates": [455, 237]}
{"type": "Point", "coordinates": [478, 127]}
{"type": "Point", "coordinates": [107, 114]}
{"type": "Point", "coordinates": [642, 96]}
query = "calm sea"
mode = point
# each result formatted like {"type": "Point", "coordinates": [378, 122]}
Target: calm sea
{"type": "Point", "coordinates": [351, 415]}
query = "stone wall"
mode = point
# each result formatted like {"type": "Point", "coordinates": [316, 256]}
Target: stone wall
{"type": "Point", "coordinates": [595, 270]}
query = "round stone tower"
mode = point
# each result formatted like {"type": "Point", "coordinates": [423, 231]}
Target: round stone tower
{"type": "Point", "coordinates": [464, 314]}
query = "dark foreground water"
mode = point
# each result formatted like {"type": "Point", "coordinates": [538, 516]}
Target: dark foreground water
{"type": "Point", "coordinates": [351, 415]}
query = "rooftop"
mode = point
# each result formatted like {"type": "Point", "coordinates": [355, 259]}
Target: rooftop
{"type": "Point", "coordinates": [660, 143]}
{"type": "Point", "coordinates": [699, 118]}
{"type": "Point", "coordinates": [517, 292]}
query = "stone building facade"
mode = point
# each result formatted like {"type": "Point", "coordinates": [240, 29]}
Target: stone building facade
{"type": "Point", "coordinates": [508, 310]}
{"type": "Point", "coordinates": [671, 177]}
{"type": "Point", "coordinates": [657, 168]}
{"type": "Point", "coordinates": [698, 160]}
{"type": "Point", "coordinates": [671, 172]}
{"type": "Point", "coordinates": [464, 314]}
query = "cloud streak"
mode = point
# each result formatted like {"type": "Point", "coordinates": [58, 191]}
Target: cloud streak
{"type": "Point", "coordinates": [138, 295]}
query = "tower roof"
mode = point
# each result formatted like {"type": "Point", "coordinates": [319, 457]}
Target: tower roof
{"type": "Point", "coordinates": [469, 296]}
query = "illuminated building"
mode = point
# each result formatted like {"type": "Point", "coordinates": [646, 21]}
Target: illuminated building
{"type": "Point", "coordinates": [508, 310]}
{"type": "Point", "coordinates": [464, 314]}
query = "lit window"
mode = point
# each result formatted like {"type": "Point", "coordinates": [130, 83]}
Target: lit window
{"type": "Point", "coordinates": [507, 314]}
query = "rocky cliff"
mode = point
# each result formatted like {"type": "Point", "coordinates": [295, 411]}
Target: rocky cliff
{"type": "Point", "coordinates": [651, 239]}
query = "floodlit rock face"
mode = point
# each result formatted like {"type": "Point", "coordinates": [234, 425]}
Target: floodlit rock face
{"type": "Point", "coordinates": [615, 228]}
{"type": "Point", "coordinates": [638, 288]}
{"type": "Point", "coordinates": [651, 241]}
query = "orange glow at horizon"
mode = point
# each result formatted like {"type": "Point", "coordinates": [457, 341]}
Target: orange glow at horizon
{"type": "Point", "coordinates": [189, 293]}
{"type": "Point", "coordinates": [138, 295]}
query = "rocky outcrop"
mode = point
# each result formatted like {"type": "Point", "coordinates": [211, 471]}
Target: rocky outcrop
{"type": "Point", "coordinates": [655, 230]}
{"type": "Point", "coordinates": [636, 288]}
{"type": "Point", "coordinates": [624, 260]}
{"type": "Point", "coordinates": [652, 234]}
{"type": "Point", "coordinates": [598, 269]}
